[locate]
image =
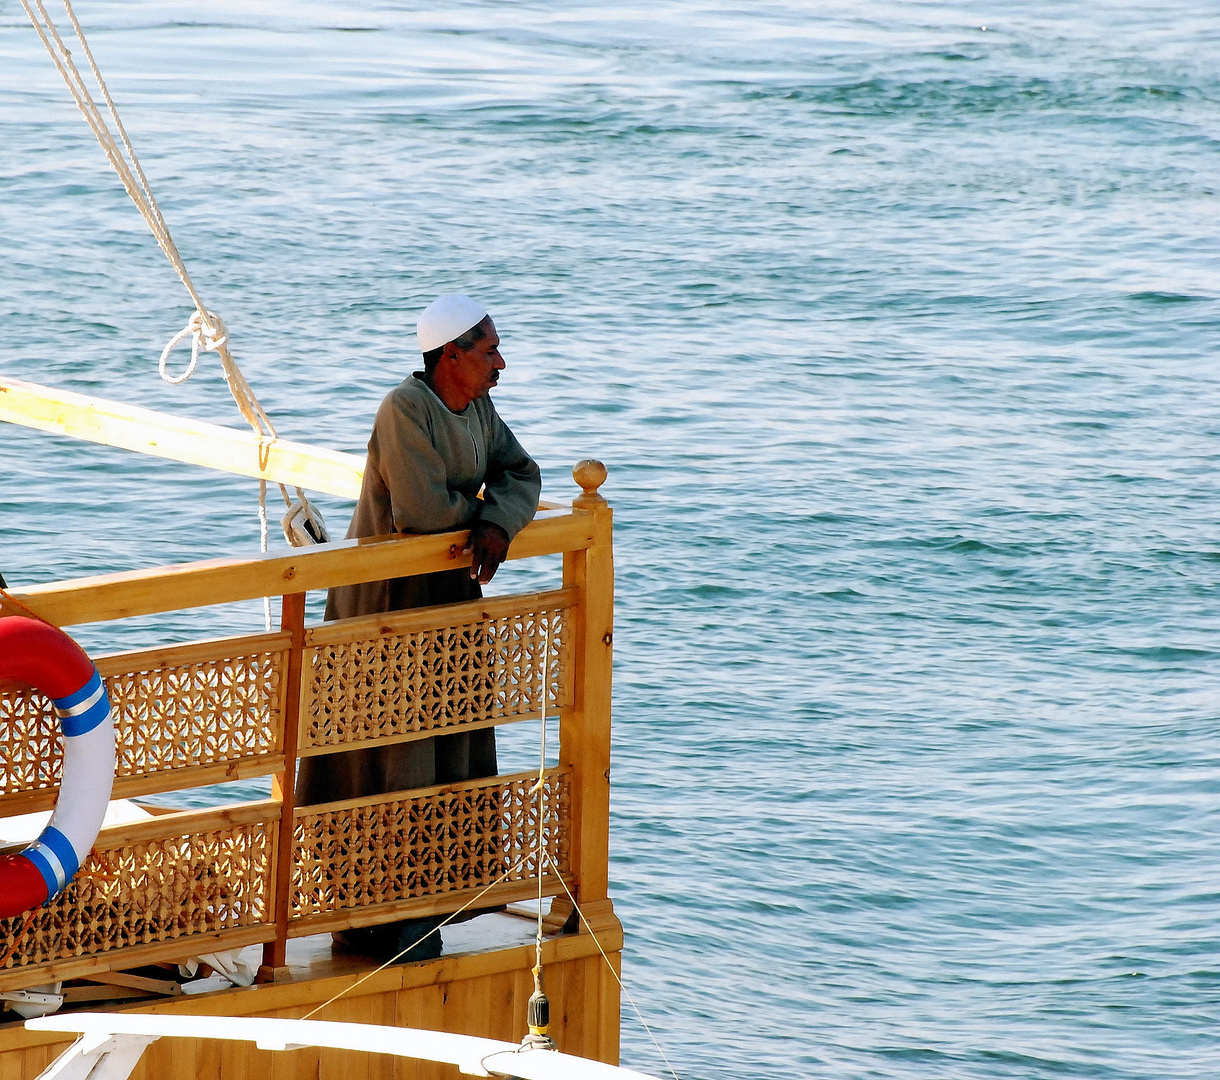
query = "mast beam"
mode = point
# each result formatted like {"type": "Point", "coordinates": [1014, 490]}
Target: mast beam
{"type": "Point", "coordinates": [130, 427]}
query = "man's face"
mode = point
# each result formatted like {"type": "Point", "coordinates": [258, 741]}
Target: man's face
{"type": "Point", "coordinates": [477, 369]}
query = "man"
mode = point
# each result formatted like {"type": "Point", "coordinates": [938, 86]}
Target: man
{"type": "Point", "coordinates": [436, 441]}
{"type": "Point", "coordinates": [437, 438]}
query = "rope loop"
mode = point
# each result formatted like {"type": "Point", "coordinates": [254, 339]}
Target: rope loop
{"type": "Point", "coordinates": [206, 330]}
{"type": "Point", "coordinates": [162, 365]}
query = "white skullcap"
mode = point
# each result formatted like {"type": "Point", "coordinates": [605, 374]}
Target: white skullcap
{"type": "Point", "coordinates": [446, 318]}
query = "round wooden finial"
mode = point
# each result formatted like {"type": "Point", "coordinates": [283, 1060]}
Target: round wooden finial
{"type": "Point", "coordinates": [590, 474]}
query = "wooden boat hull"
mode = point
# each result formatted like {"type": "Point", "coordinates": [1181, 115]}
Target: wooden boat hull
{"type": "Point", "coordinates": [481, 992]}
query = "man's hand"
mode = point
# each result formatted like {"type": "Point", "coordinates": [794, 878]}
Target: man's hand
{"type": "Point", "coordinates": [488, 546]}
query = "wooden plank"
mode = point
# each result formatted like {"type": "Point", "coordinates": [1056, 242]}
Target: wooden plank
{"type": "Point", "coordinates": [132, 787]}
{"type": "Point", "coordinates": [477, 1005]}
{"type": "Point", "coordinates": [379, 1010]}
{"type": "Point", "coordinates": [431, 1015]}
{"type": "Point", "coordinates": [137, 956]}
{"type": "Point", "coordinates": [288, 1064]}
{"type": "Point", "coordinates": [417, 736]}
{"type": "Point", "coordinates": [193, 652]}
{"type": "Point", "coordinates": [610, 1027]}
{"type": "Point", "coordinates": [458, 1006]}
{"type": "Point", "coordinates": [210, 1060]}
{"type": "Point", "coordinates": [137, 982]}
{"type": "Point", "coordinates": [191, 776]}
{"type": "Point", "coordinates": [589, 1003]}
{"type": "Point", "coordinates": [343, 1064]}
{"type": "Point", "coordinates": [477, 784]}
{"type": "Point", "coordinates": [180, 822]}
{"type": "Point", "coordinates": [223, 581]}
{"type": "Point", "coordinates": [178, 438]}
{"type": "Point", "coordinates": [77, 994]}
{"type": "Point", "coordinates": [234, 1062]}
{"type": "Point", "coordinates": [505, 1014]}
{"type": "Point", "coordinates": [584, 730]}
{"type": "Point", "coordinates": [507, 892]}
{"type": "Point", "coordinates": [187, 822]}
{"type": "Point", "coordinates": [558, 988]}
{"type": "Point", "coordinates": [440, 616]}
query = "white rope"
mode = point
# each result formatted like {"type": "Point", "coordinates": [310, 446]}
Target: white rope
{"type": "Point", "coordinates": [402, 952]}
{"type": "Point", "coordinates": [262, 539]}
{"type": "Point", "coordinates": [207, 333]}
{"type": "Point", "coordinates": [540, 787]}
{"type": "Point", "coordinates": [617, 978]}
{"type": "Point", "coordinates": [132, 174]}
{"type": "Point", "coordinates": [163, 363]}
{"type": "Point", "coordinates": [205, 328]}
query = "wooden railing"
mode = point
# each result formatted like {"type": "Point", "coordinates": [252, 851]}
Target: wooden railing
{"type": "Point", "coordinates": [191, 882]}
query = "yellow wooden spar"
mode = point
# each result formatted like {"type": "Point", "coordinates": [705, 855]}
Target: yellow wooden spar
{"type": "Point", "coordinates": [194, 442]}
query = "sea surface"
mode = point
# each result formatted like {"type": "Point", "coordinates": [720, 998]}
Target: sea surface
{"type": "Point", "coordinates": [895, 324]}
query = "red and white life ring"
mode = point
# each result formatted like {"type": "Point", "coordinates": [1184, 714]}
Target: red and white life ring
{"type": "Point", "coordinates": [46, 658]}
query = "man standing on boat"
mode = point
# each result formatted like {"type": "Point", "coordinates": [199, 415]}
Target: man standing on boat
{"type": "Point", "coordinates": [436, 442]}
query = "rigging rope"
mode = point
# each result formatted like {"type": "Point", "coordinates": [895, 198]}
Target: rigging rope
{"type": "Point", "coordinates": [205, 328]}
{"type": "Point", "coordinates": [617, 978]}
{"type": "Point", "coordinates": [539, 789]}
{"type": "Point", "coordinates": [538, 1010]}
{"type": "Point", "coordinates": [8, 598]}
{"type": "Point", "coordinates": [402, 952]}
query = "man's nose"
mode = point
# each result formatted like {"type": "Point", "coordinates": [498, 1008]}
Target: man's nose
{"type": "Point", "coordinates": [498, 363]}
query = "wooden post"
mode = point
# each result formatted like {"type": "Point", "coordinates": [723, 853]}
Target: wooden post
{"type": "Point", "coordinates": [585, 728]}
{"type": "Point", "coordinates": [275, 953]}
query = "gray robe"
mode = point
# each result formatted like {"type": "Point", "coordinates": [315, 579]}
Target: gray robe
{"type": "Point", "coordinates": [425, 467]}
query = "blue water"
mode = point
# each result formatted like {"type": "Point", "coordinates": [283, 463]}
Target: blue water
{"type": "Point", "coordinates": [893, 322]}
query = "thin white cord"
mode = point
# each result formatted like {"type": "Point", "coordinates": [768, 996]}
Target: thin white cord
{"type": "Point", "coordinates": [540, 787]}
{"type": "Point", "coordinates": [262, 539]}
{"type": "Point", "coordinates": [445, 922]}
{"type": "Point", "coordinates": [621, 986]}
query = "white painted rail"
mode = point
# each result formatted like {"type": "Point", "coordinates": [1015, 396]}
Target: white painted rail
{"type": "Point", "coordinates": [111, 1044]}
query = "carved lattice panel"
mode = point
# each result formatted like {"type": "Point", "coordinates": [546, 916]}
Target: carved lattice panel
{"type": "Point", "coordinates": [161, 890]}
{"type": "Point", "coordinates": [210, 711]}
{"type": "Point", "coordinates": [442, 842]}
{"type": "Point", "coordinates": [400, 681]}
{"type": "Point", "coordinates": [174, 708]}
{"type": "Point", "coordinates": [32, 757]}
